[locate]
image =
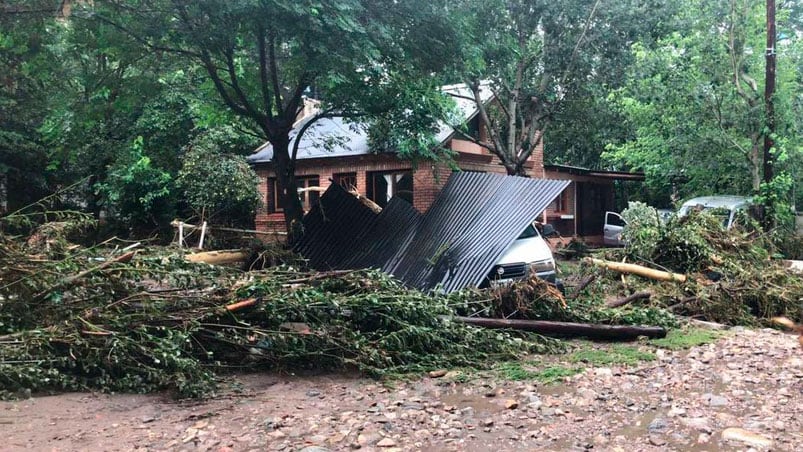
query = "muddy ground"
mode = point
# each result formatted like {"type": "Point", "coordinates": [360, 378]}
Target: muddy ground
{"type": "Point", "coordinates": [742, 392]}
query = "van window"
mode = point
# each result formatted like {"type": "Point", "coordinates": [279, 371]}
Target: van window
{"type": "Point", "coordinates": [529, 232]}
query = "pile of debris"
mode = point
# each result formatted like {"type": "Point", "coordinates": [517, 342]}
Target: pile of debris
{"type": "Point", "coordinates": [135, 319]}
{"type": "Point", "coordinates": [695, 268]}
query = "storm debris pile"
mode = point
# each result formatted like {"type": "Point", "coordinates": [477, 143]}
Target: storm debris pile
{"type": "Point", "coordinates": [730, 277]}
{"type": "Point", "coordinates": [145, 319]}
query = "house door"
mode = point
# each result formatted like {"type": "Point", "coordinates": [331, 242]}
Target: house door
{"type": "Point", "coordinates": [593, 200]}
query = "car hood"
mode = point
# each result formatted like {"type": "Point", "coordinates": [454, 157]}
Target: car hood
{"type": "Point", "coordinates": [527, 250]}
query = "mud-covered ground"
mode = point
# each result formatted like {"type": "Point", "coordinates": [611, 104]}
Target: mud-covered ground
{"type": "Point", "coordinates": [743, 391]}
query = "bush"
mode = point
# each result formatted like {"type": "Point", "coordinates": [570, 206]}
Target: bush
{"type": "Point", "coordinates": [219, 187]}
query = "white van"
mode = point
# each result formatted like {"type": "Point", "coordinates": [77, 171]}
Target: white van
{"type": "Point", "coordinates": [529, 254]}
{"type": "Point", "coordinates": [724, 207]}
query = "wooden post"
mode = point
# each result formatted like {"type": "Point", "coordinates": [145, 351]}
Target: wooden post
{"type": "Point", "coordinates": [203, 234]}
{"type": "Point", "coordinates": [181, 234]}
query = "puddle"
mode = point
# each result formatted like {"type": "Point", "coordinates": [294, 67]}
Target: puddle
{"type": "Point", "coordinates": [480, 404]}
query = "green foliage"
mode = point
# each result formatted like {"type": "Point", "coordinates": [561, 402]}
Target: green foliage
{"type": "Point", "coordinates": [693, 102]}
{"type": "Point", "coordinates": [730, 277]}
{"type": "Point", "coordinates": [106, 328]}
{"type": "Point", "coordinates": [136, 192]}
{"type": "Point", "coordinates": [219, 187]}
{"type": "Point", "coordinates": [683, 338]}
{"type": "Point", "coordinates": [555, 374]}
{"type": "Point", "coordinates": [690, 243]}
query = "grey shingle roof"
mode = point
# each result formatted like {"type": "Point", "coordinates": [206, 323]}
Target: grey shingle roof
{"type": "Point", "coordinates": [339, 137]}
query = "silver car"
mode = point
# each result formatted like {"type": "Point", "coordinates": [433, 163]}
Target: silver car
{"type": "Point", "coordinates": [724, 207]}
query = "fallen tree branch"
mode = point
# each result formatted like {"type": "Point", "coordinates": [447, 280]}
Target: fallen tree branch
{"type": "Point", "coordinates": [637, 270]}
{"type": "Point", "coordinates": [623, 301]}
{"type": "Point", "coordinates": [583, 284]}
{"type": "Point", "coordinates": [241, 305]}
{"type": "Point", "coordinates": [592, 331]}
{"type": "Point", "coordinates": [219, 257]}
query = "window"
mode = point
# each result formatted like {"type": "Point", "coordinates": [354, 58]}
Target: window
{"type": "Point", "coordinates": [346, 180]}
{"type": "Point", "coordinates": [308, 198]}
{"type": "Point", "coordinates": [383, 186]}
{"type": "Point", "coordinates": [561, 203]}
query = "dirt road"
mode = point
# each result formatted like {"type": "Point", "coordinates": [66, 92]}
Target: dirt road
{"type": "Point", "coordinates": [745, 391]}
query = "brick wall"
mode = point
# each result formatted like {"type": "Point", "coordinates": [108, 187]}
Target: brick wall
{"type": "Point", "coordinates": [428, 177]}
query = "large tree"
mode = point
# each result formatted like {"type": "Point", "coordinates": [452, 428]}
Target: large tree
{"type": "Point", "coordinates": [695, 100]}
{"type": "Point", "coordinates": [262, 56]}
{"type": "Point", "coordinates": [541, 58]}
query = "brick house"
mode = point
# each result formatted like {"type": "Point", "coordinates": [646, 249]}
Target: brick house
{"type": "Point", "coordinates": [335, 151]}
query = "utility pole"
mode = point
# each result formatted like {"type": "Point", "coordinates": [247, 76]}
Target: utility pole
{"type": "Point", "coordinates": [769, 106]}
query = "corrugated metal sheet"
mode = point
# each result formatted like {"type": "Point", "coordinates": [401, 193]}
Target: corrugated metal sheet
{"type": "Point", "coordinates": [474, 219]}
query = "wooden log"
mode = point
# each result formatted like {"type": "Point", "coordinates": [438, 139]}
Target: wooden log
{"type": "Point", "coordinates": [637, 270]}
{"type": "Point", "coordinates": [241, 304]}
{"type": "Point", "coordinates": [623, 301]}
{"type": "Point", "coordinates": [219, 257]}
{"type": "Point", "coordinates": [592, 331]}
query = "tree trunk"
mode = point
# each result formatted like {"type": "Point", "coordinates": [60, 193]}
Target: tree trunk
{"type": "Point", "coordinates": [285, 174]}
{"type": "Point", "coordinates": [592, 331]}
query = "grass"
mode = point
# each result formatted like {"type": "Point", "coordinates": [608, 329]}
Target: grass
{"type": "Point", "coordinates": [515, 372]}
{"type": "Point", "coordinates": [680, 339]}
{"type": "Point", "coordinates": [556, 373]}
{"type": "Point", "coordinates": [616, 354]}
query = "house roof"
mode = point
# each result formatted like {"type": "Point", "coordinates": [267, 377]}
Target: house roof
{"type": "Point", "coordinates": [604, 174]}
{"type": "Point", "coordinates": [339, 137]}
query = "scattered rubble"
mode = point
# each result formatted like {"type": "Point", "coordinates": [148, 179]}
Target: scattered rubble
{"type": "Point", "coordinates": [652, 406]}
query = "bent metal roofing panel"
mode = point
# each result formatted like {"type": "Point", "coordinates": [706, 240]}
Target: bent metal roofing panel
{"type": "Point", "coordinates": [474, 219]}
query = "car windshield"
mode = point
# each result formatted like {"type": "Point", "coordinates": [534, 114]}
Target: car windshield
{"type": "Point", "coordinates": [722, 213]}
{"type": "Point", "coordinates": [529, 232]}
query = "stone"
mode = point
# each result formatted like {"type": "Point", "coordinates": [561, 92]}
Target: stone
{"type": "Point", "coordinates": [386, 442]}
{"type": "Point", "coordinates": [698, 423]}
{"type": "Point", "coordinates": [315, 449]}
{"type": "Point", "coordinates": [747, 437]}
{"type": "Point", "coordinates": [367, 439]}
{"type": "Point", "coordinates": [715, 400]}
{"type": "Point", "coordinates": [511, 404]}
{"type": "Point", "coordinates": [658, 424]}
{"type": "Point", "coordinates": [656, 440]}
{"type": "Point", "coordinates": [437, 373]}
{"type": "Point", "coordinates": [313, 393]}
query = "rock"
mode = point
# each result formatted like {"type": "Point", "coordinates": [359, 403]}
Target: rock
{"type": "Point", "coordinates": [511, 404]}
{"type": "Point", "coordinates": [708, 357]}
{"type": "Point", "coordinates": [313, 393]}
{"type": "Point", "coordinates": [746, 436]}
{"type": "Point", "coordinates": [715, 400]}
{"type": "Point", "coordinates": [367, 439]}
{"type": "Point", "coordinates": [386, 442]}
{"type": "Point", "coordinates": [487, 422]}
{"type": "Point", "coordinates": [698, 423]}
{"type": "Point", "coordinates": [315, 449]}
{"type": "Point", "coordinates": [656, 440]}
{"type": "Point", "coordinates": [272, 423]}
{"type": "Point", "coordinates": [703, 438]}
{"type": "Point", "coordinates": [437, 373]}
{"type": "Point", "coordinates": [604, 372]}
{"type": "Point", "coordinates": [278, 434]}
{"type": "Point", "coordinates": [658, 424]}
